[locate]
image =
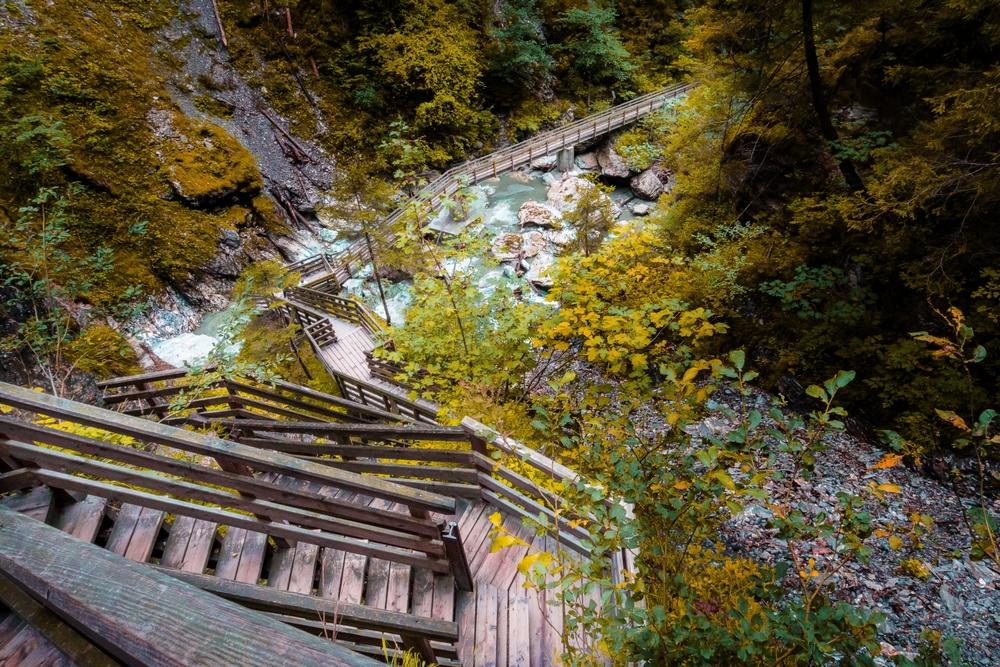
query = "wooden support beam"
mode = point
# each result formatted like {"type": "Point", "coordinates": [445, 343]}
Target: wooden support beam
{"type": "Point", "coordinates": [315, 608]}
{"type": "Point", "coordinates": [456, 556]}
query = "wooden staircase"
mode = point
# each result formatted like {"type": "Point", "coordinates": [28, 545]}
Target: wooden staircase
{"type": "Point", "coordinates": [361, 524]}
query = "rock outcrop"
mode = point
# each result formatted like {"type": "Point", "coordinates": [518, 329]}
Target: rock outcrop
{"type": "Point", "coordinates": [538, 214]}
{"type": "Point", "coordinates": [647, 185]}
{"type": "Point", "coordinates": [611, 163]}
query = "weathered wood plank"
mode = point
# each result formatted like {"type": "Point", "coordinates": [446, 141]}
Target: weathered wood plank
{"type": "Point", "coordinates": [56, 632]}
{"type": "Point", "coordinates": [142, 616]}
{"type": "Point", "coordinates": [485, 653]}
{"type": "Point", "coordinates": [398, 432]}
{"type": "Point", "coordinates": [444, 597]}
{"type": "Point", "coordinates": [313, 607]}
{"type": "Point", "coordinates": [422, 603]}
{"type": "Point", "coordinates": [286, 531]}
{"type": "Point", "coordinates": [303, 568]}
{"type": "Point", "coordinates": [518, 628]}
{"type": "Point", "coordinates": [36, 503]}
{"type": "Point", "coordinates": [81, 519]}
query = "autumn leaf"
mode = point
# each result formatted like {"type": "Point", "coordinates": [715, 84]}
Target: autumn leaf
{"type": "Point", "coordinates": [889, 488]}
{"type": "Point", "coordinates": [542, 559]}
{"type": "Point", "coordinates": [505, 541]}
{"type": "Point", "coordinates": [895, 542]}
{"type": "Point", "coordinates": [952, 419]}
{"type": "Point", "coordinates": [888, 461]}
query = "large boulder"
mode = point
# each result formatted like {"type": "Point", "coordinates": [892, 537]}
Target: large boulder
{"type": "Point", "coordinates": [563, 194]}
{"type": "Point", "coordinates": [532, 243]}
{"type": "Point", "coordinates": [612, 164]}
{"type": "Point", "coordinates": [540, 272]}
{"type": "Point", "coordinates": [545, 163]}
{"type": "Point", "coordinates": [640, 209]}
{"type": "Point", "coordinates": [507, 247]}
{"type": "Point", "coordinates": [647, 185]}
{"type": "Point", "coordinates": [587, 161]}
{"type": "Point", "coordinates": [538, 214]}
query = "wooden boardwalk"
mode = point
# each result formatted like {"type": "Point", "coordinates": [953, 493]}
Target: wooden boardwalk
{"type": "Point", "coordinates": [430, 198]}
{"type": "Point", "coordinates": [347, 355]}
{"type": "Point", "coordinates": [500, 622]}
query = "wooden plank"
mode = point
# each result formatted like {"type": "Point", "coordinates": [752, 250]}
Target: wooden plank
{"type": "Point", "coordinates": [36, 503]}
{"type": "Point", "coordinates": [313, 607]}
{"type": "Point", "coordinates": [398, 593]}
{"type": "Point", "coordinates": [281, 568]}
{"type": "Point", "coordinates": [303, 568]}
{"type": "Point", "coordinates": [398, 432]}
{"type": "Point", "coordinates": [251, 557]}
{"type": "Point", "coordinates": [229, 553]}
{"type": "Point", "coordinates": [353, 580]}
{"type": "Point", "coordinates": [377, 586]}
{"type": "Point", "coordinates": [518, 628]}
{"type": "Point", "coordinates": [200, 546]}
{"type": "Point", "coordinates": [55, 631]}
{"type": "Point", "coordinates": [147, 528]}
{"type": "Point", "coordinates": [208, 445]}
{"type": "Point", "coordinates": [485, 653]}
{"type": "Point", "coordinates": [444, 597]}
{"type": "Point", "coordinates": [20, 646]}
{"type": "Point", "coordinates": [81, 519]}
{"type": "Point", "coordinates": [423, 592]}
{"type": "Point", "coordinates": [124, 526]}
{"type": "Point", "coordinates": [265, 510]}
{"type": "Point", "coordinates": [286, 531]}
{"type": "Point", "coordinates": [331, 573]}
{"type": "Point", "coordinates": [142, 616]}
{"type": "Point", "coordinates": [465, 617]}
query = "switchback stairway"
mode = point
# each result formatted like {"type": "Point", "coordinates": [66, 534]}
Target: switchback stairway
{"type": "Point", "coordinates": [340, 518]}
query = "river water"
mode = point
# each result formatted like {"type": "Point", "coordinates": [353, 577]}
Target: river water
{"type": "Point", "coordinates": [492, 209]}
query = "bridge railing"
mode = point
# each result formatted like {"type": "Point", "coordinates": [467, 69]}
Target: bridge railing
{"type": "Point", "coordinates": [339, 307]}
{"type": "Point", "coordinates": [137, 467]}
{"type": "Point", "coordinates": [432, 195]}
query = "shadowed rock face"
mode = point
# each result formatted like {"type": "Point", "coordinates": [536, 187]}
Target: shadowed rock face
{"type": "Point", "coordinates": [611, 163]}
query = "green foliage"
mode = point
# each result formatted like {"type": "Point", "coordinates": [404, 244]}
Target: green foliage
{"type": "Point", "coordinates": [830, 278]}
{"type": "Point", "coordinates": [521, 60]}
{"type": "Point", "coordinates": [593, 50]}
{"type": "Point", "coordinates": [700, 605]}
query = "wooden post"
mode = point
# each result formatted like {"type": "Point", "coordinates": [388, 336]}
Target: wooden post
{"type": "Point", "coordinates": [456, 556]}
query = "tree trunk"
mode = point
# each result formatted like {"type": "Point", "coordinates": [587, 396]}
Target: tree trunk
{"type": "Point", "coordinates": [819, 102]}
{"type": "Point", "coordinates": [378, 277]}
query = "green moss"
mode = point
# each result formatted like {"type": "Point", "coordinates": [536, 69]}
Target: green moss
{"type": "Point", "coordinates": [101, 350]}
{"type": "Point", "coordinates": [204, 163]}
{"type": "Point", "coordinates": [87, 66]}
{"type": "Point", "coordinates": [213, 106]}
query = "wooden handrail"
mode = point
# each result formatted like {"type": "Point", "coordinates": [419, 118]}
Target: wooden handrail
{"type": "Point", "coordinates": [218, 448]}
{"type": "Point", "coordinates": [472, 171]}
{"type": "Point", "coordinates": [144, 617]}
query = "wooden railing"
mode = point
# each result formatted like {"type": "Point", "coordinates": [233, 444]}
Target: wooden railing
{"type": "Point", "coordinates": [143, 617]}
{"type": "Point", "coordinates": [431, 197]}
{"type": "Point", "coordinates": [152, 394]}
{"type": "Point", "coordinates": [338, 307]}
{"type": "Point", "coordinates": [230, 494]}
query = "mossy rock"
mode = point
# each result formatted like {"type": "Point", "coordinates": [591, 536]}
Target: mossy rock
{"type": "Point", "coordinates": [207, 167]}
{"type": "Point", "coordinates": [102, 351]}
